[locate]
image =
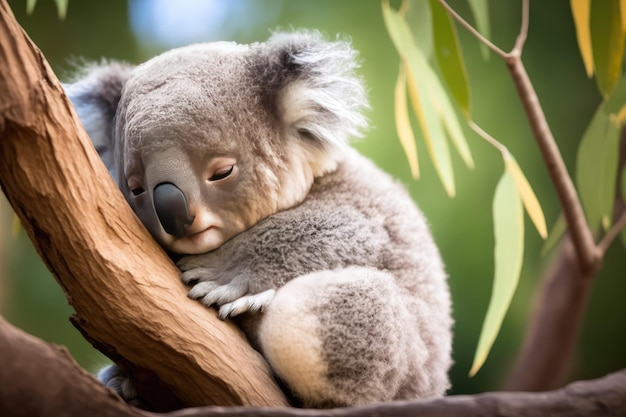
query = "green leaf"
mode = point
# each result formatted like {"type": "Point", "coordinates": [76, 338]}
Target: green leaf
{"type": "Point", "coordinates": [557, 232]}
{"type": "Point", "coordinates": [508, 222]}
{"type": "Point", "coordinates": [449, 56]}
{"type": "Point", "coordinates": [434, 137]}
{"type": "Point", "coordinates": [405, 133]}
{"type": "Point", "coordinates": [431, 103]}
{"type": "Point", "coordinates": [607, 43]}
{"type": "Point", "coordinates": [616, 101]}
{"type": "Point", "coordinates": [450, 121]}
{"type": "Point", "coordinates": [480, 11]}
{"type": "Point", "coordinates": [419, 18]}
{"type": "Point", "coordinates": [420, 75]}
{"type": "Point", "coordinates": [581, 10]}
{"type": "Point", "coordinates": [62, 8]}
{"type": "Point", "coordinates": [596, 168]}
{"type": "Point", "coordinates": [30, 6]}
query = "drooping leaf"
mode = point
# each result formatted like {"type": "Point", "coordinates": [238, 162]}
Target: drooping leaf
{"type": "Point", "coordinates": [419, 76]}
{"type": "Point", "coordinates": [596, 168]}
{"type": "Point", "coordinates": [434, 137]}
{"type": "Point", "coordinates": [480, 11]}
{"type": "Point", "coordinates": [557, 232]}
{"type": "Point", "coordinates": [449, 57]}
{"type": "Point", "coordinates": [450, 121]}
{"type": "Point", "coordinates": [508, 222]}
{"type": "Point", "coordinates": [405, 133]}
{"type": "Point", "coordinates": [607, 43]}
{"type": "Point", "coordinates": [62, 8]}
{"type": "Point", "coordinates": [531, 203]}
{"type": "Point", "coordinates": [581, 10]}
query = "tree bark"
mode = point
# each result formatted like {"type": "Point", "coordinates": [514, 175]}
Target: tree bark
{"type": "Point", "coordinates": [38, 379]}
{"type": "Point", "coordinates": [127, 294]}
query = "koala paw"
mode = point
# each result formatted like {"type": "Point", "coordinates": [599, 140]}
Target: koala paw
{"type": "Point", "coordinates": [113, 378]}
{"type": "Point", "coordinates": [248, 303]}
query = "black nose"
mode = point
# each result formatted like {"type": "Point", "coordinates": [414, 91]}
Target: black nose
{"type": "Point", "coordinates": [171, 208]}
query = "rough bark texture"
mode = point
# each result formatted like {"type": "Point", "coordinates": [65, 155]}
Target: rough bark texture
{"type": "Point", "coordinates": [126, 292]}
{"type": "Point", "coordinates": [38, 379]}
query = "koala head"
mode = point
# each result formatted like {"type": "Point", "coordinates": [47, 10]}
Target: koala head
{"type": "Point", "coordinates": [211, 138]}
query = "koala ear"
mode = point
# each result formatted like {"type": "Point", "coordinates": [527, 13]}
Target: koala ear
{"type": "Point", "coordinates": [95, 94]}
{"type": "Point", "coordinates": [311, 85]}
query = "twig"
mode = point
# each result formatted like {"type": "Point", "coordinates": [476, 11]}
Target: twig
{"type": "Point", "coordinates": [471, 29]}
{"type": "Point", "coordinates": [490, 139]}
{"type": "Point", "coordinates": [613, 232]}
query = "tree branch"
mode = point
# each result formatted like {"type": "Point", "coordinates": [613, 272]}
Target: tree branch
{"type": "Point", "coordinates": [42, 379]}
{"type": "Point", "coordinates": [120, 283]}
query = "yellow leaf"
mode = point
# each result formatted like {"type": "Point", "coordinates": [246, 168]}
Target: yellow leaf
{"type": "Point", "coordinates": [531, 203]}
{"type": "Point", "coordinates": [508, 224]}
{"type": "Point", "coordinates": [581, 10]}
{"type": "Point", "coordinates": [405, 133]}
{"type": "Point", "coordinates": [622, 10]}
{"type": "Point", "coordinates": [607, 40]}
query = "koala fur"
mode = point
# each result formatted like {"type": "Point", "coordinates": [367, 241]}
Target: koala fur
{"type": "Point", "coordinates": [236, 158]}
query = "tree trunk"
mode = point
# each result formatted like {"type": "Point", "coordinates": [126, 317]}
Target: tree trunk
{"type": "Point", "coordinates": [127, 294]}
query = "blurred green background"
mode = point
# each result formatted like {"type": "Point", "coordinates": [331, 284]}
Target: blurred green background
{"type": "Point", "coordinates": [134, 31]}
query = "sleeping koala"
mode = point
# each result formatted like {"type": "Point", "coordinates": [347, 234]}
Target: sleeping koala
{"type": "Point", "coordinates": [236, 159]}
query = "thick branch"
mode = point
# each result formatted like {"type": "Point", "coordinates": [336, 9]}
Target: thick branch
{"type": "Point", "coordinates": [40, 379]}
{"type": "Point", "coordinates": [126, 292]}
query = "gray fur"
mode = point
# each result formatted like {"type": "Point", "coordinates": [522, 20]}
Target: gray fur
{"type": "Point", "coordinates": [323, 259]}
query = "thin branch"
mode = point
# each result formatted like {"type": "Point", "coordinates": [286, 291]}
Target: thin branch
{"type": "Point", "coordinates": [613, 232]}
{"type": "Point", "coordinates": [490, 139]}
{"type": "Point", "coordinates": [523, 32]}
{"type": "Point", "coordinates": [472, 30]}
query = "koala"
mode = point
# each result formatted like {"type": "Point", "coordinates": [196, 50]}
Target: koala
{"type": "Point", "coordinates": [236, 158]}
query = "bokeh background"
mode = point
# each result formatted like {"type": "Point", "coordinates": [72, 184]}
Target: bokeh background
{"type": "Point", "coordinates": [135, 30]}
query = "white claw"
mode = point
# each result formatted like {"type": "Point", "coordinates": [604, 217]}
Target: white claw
{"type": "Point", "coordinates": [249, 303]}
{"type": "Point", "coordinates": [201, 289]}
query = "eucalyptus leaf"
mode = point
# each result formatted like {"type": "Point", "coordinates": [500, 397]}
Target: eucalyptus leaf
{"type": "Point", "coordinates": [508, 220]}
{"type": "Point", "coordinates": [607, 43]}
{"type": "Point", "coordinates": [449, 57]}
{"type": "Point", "coordinates": [480, 11]}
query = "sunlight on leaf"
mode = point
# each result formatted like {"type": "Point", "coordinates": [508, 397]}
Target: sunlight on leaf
{"type": "Point", "coordinates": [596, 168]}
{"type": "Point", "coordinates": [405, 133]}
{"type": "Point", "coordinates": [581, 10]}
{"type": "Point", "coordinates": [531, 203]}
{"type": "Point", "coordinates": [557, 232]}
{"type": "Point", "coordinates": [607, 43]}
{"type": "Point", "coordinates": [449, 56]}
{"type": "Point", "coordinates": [62, 8]}
{"type": "Point", "coordinates": [480, 11]}
{"type": "Point", "coordinates": [508, 222]}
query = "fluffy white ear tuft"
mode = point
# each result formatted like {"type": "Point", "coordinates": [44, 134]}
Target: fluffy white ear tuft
{"type": "Point", "coordinates": [317, 94]}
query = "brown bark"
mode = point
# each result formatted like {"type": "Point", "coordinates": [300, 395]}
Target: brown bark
{"type": "Point", "coordinates": [126, 293]}
{"type": "Point", "coordinates": [38, 379]}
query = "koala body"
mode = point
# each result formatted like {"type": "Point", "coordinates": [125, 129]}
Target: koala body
{"type": "Point", "coordinates": [236, 158]}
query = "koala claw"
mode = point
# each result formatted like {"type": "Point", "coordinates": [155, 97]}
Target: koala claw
{"type": "Point", "coordinates": [211, 293]}
{"type": "Point", "coordinates": [194, 275]}
{"type": "Point", "coordinates": [248, 303]}
{"type": "Point", "coordinates": [201, 289]}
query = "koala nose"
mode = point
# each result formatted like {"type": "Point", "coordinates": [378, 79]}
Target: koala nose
{"type": "Point", "coordinates": [171, 208]}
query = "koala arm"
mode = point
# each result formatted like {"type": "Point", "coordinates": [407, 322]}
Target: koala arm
{"type": "Point", "coordinates": [252, 265]}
